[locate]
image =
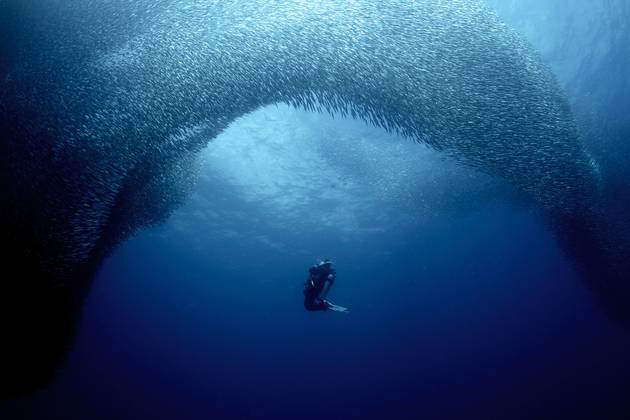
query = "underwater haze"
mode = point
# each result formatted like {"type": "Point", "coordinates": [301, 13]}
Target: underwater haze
{"type": "Point", "coordinates": [171, 169]}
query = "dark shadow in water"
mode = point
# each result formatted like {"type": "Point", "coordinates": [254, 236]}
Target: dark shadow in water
{"type": "Point", "coordinates": [599, 253]}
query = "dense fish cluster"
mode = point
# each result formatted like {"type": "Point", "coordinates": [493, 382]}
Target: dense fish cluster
{"type": "Point", "coordinates": [106, 103]}
{"type": "Point", "coordinates": [446, 73]}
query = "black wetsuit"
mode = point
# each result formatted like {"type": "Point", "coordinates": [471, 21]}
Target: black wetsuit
{"type": "Point", "coordinates": [318, 276]}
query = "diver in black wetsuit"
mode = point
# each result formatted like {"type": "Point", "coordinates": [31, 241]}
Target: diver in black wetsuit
{"type": "Point", "coordinates": [320, 279]}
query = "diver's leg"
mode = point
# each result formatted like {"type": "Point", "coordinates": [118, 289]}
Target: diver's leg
{"type": "Point", "coordinates": [315, 304]}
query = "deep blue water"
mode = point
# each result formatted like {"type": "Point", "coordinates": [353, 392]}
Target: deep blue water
{"type": "Point", "coordinates": [456, 311]}
{"type": "Point", "coordinates": [506, 332]}
{"type": "Point", "coordinates": [463, 304]}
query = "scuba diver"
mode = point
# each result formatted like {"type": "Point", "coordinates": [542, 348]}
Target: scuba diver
{"type": "Point", "coordinates": [320, 279]}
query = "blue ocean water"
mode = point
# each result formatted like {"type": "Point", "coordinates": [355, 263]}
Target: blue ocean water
{"type": "Point", "coordinates": [463, 303]}
{"type": "Point", "coordinates": [456, 311]}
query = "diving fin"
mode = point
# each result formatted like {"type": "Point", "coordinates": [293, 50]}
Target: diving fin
{"type": "Point", "coordinates": [338, 308]}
